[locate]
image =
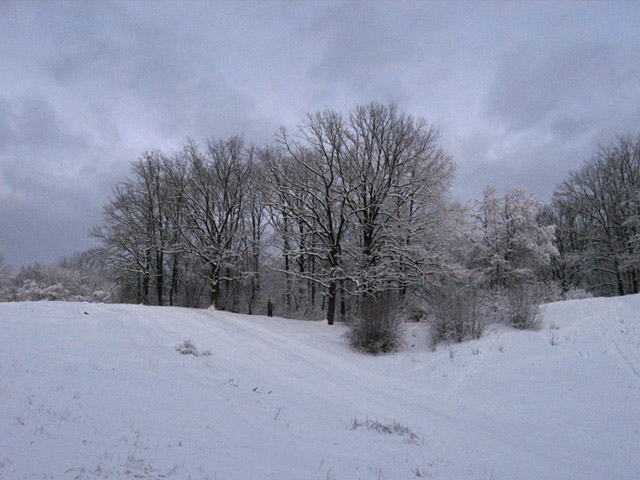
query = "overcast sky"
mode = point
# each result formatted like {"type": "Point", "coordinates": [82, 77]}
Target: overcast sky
{"type": "Point", "coordinates": [522, 92]}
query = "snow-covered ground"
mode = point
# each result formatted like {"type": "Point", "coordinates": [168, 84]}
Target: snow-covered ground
{"type": "Point", "coordinates": [93, 391]}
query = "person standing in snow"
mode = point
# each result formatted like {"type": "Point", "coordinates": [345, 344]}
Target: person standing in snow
{"type": "Point", "coordinates": [269, 308]}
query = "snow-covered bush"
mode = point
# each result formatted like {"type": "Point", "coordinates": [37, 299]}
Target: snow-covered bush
{"type": "Point", "coordinates": [378, 329]}
{"type": "Point", "coordinates": [188, 348]}
{"type": "Point", "coordinates": [101, 296]}
{"type": "Point", "coordinates": [524, 312]}
{"type": "Point", "coordinates": [7, 293]}
{"type": "Point", "coordinates": [32, 290]}
{"type": "Point", "coordinates": [575, 293]}
{"type": "Point", "coordinates": [458, 316]}
{"type": "Point", "coordinates": [79, 278]}
{"type": "Point", "coordinates": [552, 291]}
{"type": "Point", "coordinates": [494, 305]}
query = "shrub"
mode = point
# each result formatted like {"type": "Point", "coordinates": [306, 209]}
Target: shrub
{"type": "Point", "coordinates": [575, 293]}
{"type": "Point", "coordinates": [378, 329]}
{"type": "Point", "coordinates": [188, 348]}
{"type": "Point", "coordinates": [457, 316]}
{"type": "Point", "coordinates": [494, 306]}
{"type": "Point", "coordinates": [523, 309]}
{"type": "Point", "coordinates": [395, 428]}
{"type": "Point", "coordinates": [79, 278]}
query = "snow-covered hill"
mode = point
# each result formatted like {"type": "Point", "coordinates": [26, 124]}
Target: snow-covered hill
{"type": "Point", "coordinates": [92, 391]}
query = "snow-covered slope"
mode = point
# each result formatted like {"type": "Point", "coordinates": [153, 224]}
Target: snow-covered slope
{"type": "Point", "coordinates": [92, 391]}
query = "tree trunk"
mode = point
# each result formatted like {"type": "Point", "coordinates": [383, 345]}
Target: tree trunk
{"type": "Point", "coordinates": [252, 296]}
{"type": "Point", "coordinates": [331, 299]}
{"type": "Point", "coordinates": [160, 277]}
{"type": "Point", "coordinates": [343, 301]}
{"type": "Point", "coordinates": [312, 285]}
{"type": "Point", "coordinates": [619, 280]}
{"type": "Point", "coordinates": [139, 289]}
{"type": "Point", "coordinates": [145, 288]}
{"type": "Point", "coordinates": [287, 282]}
{"type": "Point", "coordinates": [174, 280]}
{"type": "Point", "coordinates": [214, 293]}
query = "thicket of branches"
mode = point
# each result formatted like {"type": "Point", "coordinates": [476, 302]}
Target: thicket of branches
{"type": "Point", "coordinates": [345, 211]}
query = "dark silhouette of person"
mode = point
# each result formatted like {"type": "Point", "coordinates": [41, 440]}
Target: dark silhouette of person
{"type": "Point", "coordinates": [269, 308]}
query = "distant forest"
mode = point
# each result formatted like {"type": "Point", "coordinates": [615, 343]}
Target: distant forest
{"type": "Point", "coordinates": [346, 208]}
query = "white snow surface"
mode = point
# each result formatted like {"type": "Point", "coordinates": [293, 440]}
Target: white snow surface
{"type": "Point", "coordinates": [92, 391]}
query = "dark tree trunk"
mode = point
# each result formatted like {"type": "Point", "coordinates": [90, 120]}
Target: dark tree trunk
{"type": "Point", "coordinates": [145, 288]}
{"type": "Point", "coordinates": [160, 277]}
{"type": "Point", "coordinates": [343, 301]}
{"type": "Point", "coordinates": [139, 289]}
{"type": "Point", "coordinates": [312, 285]}
{"type": "Point", "coordinates": [331, 299]}
{"type": "Point", "coordinates": [214, 293]}
{"type": "Point", "coordinates": [174, 280]}
{"type": "Point", "coordinates": [287, 281]}
{"type": "Point", "coordinates": [619, 280]}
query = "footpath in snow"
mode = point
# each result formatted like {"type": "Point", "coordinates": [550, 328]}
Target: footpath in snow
{"type": "Point", "coordinates": [93, 391]}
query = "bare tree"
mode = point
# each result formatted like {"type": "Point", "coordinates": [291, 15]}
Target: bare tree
{"type": "Point", "coordinates": [396, 176]}
{"type": "Point", "coordinates": [309, 192]}
{"type": "Point", "coordinates": [214, 196]}
{"type": "Point", "coordinates": [138, 231]}
{"type": "Point", "coordinates": [150, 171]}
{"type": "Point", "coordinates": [358, 198]}
{"type": "Point", "coordinates": [125, 239]}
{"type": "Point", "coordinates": [255, 224]}
{"type": "Point", "coordinates": [601, 204]}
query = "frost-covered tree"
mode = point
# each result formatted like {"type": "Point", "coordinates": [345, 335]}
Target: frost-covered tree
{"type": "Point", "coordinates": [567, 269]}
{"type": "Point", "coordinates": [601, 203]}
{"type": "Point", "coordinates": [6, 281]}
{"type": "Point", "coordinates": [287, 206]}
{"type": "Point", "coordinates": [308, 192]}
{"type": "Point", "coordinates": [184, 224]}
{"type": "Point", "coordinates": [396, 177]}
{"type": "Point", "coordinates": [254, 225]}
{"type": "Point", "coordinates": [125, 240]}
{"type": "Point", "coordinates": [155, 210]}
{"type": "Point", "coordinates": [356, 205]}
{"type": "Point", "coordinates": [512, 242]}
{"type": "Point", "coordinates": [213, 193]}
{"type": "Point", "coordinates": [138, 233]}
{"type": "Point", "coordinates": [359, 200]}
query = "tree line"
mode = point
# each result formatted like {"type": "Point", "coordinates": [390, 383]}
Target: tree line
{"type": "Point", "coordinates": [345, 207]}
{"type": "Point", "coordinates": [356, 206]}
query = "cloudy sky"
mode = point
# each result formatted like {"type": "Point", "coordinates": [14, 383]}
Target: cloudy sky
{"type": "Point", "coordinates": [522, 92]}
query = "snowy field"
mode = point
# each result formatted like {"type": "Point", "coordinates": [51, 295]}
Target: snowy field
{"type": "Point", "coordinates": [92, 391]}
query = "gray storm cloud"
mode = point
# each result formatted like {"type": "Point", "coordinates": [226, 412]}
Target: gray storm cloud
{"type": "Point", "coordinates": [521, 92]}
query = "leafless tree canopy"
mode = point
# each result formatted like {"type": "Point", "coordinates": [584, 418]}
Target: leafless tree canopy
{"type": "Point", "coordinates": [597, 210]}
{"type": "Point", "coordinates": [358, 197]}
